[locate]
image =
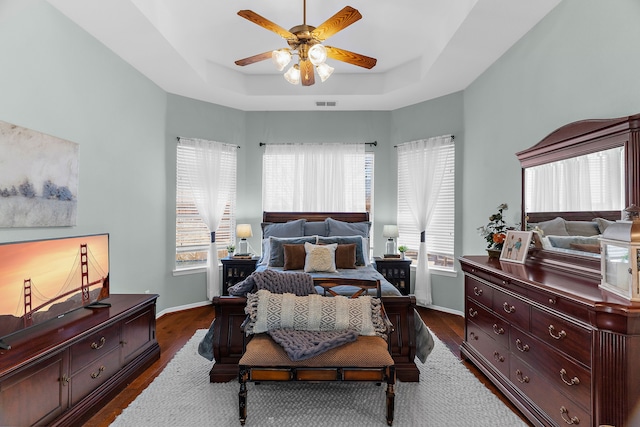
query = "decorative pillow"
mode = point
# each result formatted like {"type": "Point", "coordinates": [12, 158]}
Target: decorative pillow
{"type": "Point", "coordinates": [346, 240]}
{"type": "Point", "coordinates": [284, 229]}
{"type": "Point", "coordinates": [582, 228]}
{"type": "Point", "coordinates": [341, 228]}
{"type": "Point", "coordinates": [268, 311]}
{"type": "Point", "coordinates": [276, 251]}
{"type": "Point", "coordinates": [320, 258]}
{"type": "Point", "coordinates": [602, 224]}
{"type": "Point", "coordinates": [315, 228]}
{"type": "Point", "coordinates": [264, 258]}
{"type": "Point", "coordinates": [346, 256]}
{"type": "Point", "coordinates": [294, 256]}
{"type": "Point", "coordinates": [554, 227]}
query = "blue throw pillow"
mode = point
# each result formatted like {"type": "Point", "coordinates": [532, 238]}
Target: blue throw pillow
{"type": "Point", "coordinates": [284, 229]}
{"type": "Point", "coordinates": [341, 228]}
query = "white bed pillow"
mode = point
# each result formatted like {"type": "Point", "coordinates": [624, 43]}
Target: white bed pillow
{"type": "Point", "coordinates": [320, 258]}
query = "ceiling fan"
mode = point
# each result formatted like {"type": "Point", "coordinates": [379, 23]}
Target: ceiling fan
{"type": "Point", "coordinates": [306, 42]}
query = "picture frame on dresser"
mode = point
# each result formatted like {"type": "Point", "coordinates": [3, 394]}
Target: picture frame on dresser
{"type": "Point", "coordinates": [516, 246]}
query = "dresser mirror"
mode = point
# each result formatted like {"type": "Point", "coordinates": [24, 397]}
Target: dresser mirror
{"type": "Point", "coordinates": [575, 182]}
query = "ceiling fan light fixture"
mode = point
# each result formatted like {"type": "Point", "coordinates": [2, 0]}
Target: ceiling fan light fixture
{"type": "Point", "coordinates": [317, 54]}
{"type": "Point", "coordinates": [324, 71]}
{"type": "Point", "coordinates": [281, 58]}
{"type": "Point", "coordinates": [293, 75]}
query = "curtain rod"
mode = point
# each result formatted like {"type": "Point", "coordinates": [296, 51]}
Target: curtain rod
{"type": "Point", "coordinates": [452, 138]}
{"type": "Point", "coordinates": [182, 137]}
{"type": "Point", "coordinates": [374, 143]}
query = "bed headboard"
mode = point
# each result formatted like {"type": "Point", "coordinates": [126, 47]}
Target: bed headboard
{"type": "Point", "coordinates": [315, 216]}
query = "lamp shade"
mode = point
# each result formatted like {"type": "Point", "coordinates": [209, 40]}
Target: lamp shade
{"type": "Point", "coordinates": [390, 231]}
{"type": "Point", "coordinates": [243, 231]}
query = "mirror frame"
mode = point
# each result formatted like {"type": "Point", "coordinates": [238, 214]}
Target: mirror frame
{"type": "Point", "coordinates": [576, 139]}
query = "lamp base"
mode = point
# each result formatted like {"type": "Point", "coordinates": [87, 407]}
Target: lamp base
{"type": "Point", "coordinates": [390, 247]}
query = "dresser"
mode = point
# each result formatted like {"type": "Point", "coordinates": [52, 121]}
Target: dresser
{"type": "Point", "coordinates": [563, 351]}
{"type": "Point", "coordinates": [61, 372]}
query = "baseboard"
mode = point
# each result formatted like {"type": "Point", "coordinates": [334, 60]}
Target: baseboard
{"type": "Point", "coordinates": [445, 310]}
{"type": "Point", "coordinates": [182, 307]}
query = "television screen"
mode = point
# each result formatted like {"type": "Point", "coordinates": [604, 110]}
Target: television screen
{"type": "Point", "coordinates": [44, 279]}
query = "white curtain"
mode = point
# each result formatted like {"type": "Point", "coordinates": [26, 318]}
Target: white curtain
{"type": "Point", "coordinates": [422, 165]}
{"type": "Point", "coordinates": [584, 183]}
{"type": "Point", "coordinates": [210, 179]}
{"type": "Point", "coordinates": [313, 177]}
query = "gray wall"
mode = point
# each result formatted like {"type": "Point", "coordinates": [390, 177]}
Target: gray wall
{"type": "Point", "coordinates": [580, 62]}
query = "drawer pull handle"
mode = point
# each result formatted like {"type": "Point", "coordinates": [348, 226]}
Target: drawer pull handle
{"type": "Point", "coordinates": [552, 301]}
{"type": "Point", "coordinates": [497, 330]}
{"type": "Point", "coordinates": [472, 312]}
{"type": "Point", "coordinates": [564, 413]}
{"type": "Point", "coordinates": [477, 291]}
{"type": "Point", "coordinates": [508, 308]}
{"type": "Point", "coordinates": [498, 357]}
{"type": "Point", "coordinates": [473, 336]}
{"type": "Point", "coordinates": [97, 346]}
{"type": "Point", "coordinates": [557, 336]}
{"type": "Point", "coordinates": [522, 378]}
{"type": "Point", "coordinates": [523, 348]}
{"type": "Point", "coordinates": [573, 381]}
{"type": "Point", "coordinates": [65, 380]}
{"type": "Point", "coordinates": [95, 375]}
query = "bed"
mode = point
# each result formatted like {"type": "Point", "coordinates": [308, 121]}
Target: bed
{"type": "Point", "coordinates": [410, 338]}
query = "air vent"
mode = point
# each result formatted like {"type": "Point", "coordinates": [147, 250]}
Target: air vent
{"type": "Point", "coordinates": [325, 103]}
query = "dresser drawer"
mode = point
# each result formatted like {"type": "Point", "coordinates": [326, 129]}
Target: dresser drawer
{"type": "Point", "coordinates": [559, 303]}
{"type": "Point", "coordinates": [569, 377]}
{"type": "Point", "coordinates": [492, 325]}
{"type": "Point", "coordinates": [569, 338]}
{"type": "Point", "coordinates": [94, 374]}
{"type": "Point", "coordinates": [490, 277]}
{"type": "Point", "coordinates": [94, 347]}
{"type": "Point", "coordinates": [516, 311]}
{"type": "Point", "coordinates": [558, 406]}
{"type": "Point", "coordinates": [479, 291]}
{"type": "Point", "coordinates": [484, 344]}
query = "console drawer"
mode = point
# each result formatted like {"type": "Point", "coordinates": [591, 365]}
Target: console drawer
{"type": "Point", "coordinates": [88, 379]}
{"type": "Point", "coordinates": [558, 406]}
{"type": "Point", "coordinates": [569, 377]}
{"type": "Point", "coordinates": [569, 338]}
{"type": "Point", "coordinates": [94, 347]}
{"type": "Point", "coordinates": [495, 353]}
{"type": "Point", "coordinates": [492, 325]}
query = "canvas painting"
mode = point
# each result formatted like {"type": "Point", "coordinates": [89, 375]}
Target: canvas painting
{"type": "Point", "coordinates": [38, 179]}
{"type": "Point", "coordinates": [516, 246]}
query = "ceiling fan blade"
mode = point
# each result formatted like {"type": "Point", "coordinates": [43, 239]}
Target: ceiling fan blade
{"type": "Point", "coordinates": [265, 23]}
{"type": "Point", "coordinates": [337, 22]}
{"type": "Point", "coordinates": [351, 57]}
{"type": "Point", "coordinates": [306, 72]}
{"type": "Point", "coordinates": [255, 58]}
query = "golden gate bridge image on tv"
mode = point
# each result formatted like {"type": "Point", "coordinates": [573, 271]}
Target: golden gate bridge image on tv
{"type": "Point", "coordinates": [87, 283]}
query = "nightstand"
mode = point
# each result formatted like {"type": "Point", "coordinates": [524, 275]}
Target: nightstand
{"type": "Point", "coordinates": [397, 271]}
{"type": "Point", "coordinates": [235, 270]}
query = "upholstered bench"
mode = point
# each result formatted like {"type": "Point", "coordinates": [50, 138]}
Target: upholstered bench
{"type": "Point", "coordinates": [365, 359]}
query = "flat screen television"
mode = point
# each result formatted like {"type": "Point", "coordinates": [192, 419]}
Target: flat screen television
{"type": "Point", "coordinates": [42, 280]}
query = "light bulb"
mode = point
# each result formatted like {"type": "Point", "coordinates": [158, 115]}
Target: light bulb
{"type": "Point", "coordinates": [281, 58]}
{"type": "Point", "coordinates": [293, 75]}
{"type": "Point", "coordinates": [324, 71]}
{"type": "Point", "coordinates": [317, 54]}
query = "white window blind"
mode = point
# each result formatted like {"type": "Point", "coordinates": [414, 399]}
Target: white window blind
{"type": "Point", "coordinates": [440, 233]}
{"type": "Point", "coordinates": [192, 235]}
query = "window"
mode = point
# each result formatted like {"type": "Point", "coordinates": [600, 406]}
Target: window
{"type": "Point", "coordinates": [440, 233]}
{"type": "Point", "coordinates": [192, 235]}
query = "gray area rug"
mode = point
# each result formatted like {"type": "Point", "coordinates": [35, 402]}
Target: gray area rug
{"type": "Point", "coordinates": [447, 395]}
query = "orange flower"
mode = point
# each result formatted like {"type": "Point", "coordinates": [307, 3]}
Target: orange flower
{"type": "Point", "coordinates": [499, 238]}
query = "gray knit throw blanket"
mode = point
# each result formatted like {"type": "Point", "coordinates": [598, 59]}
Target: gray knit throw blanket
{"type": "Point", "coordinates": [299, 284]}
{"type": "Point", "coordinates": [301, 345]}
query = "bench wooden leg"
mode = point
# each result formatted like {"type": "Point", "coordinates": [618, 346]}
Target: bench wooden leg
{"type": "Point", "coordinates": [242, 395]}
{"type": "Point", "coordinates": [391, 394]}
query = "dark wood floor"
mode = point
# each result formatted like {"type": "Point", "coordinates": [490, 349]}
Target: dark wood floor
{"type": "Point", "coordinates": [175, 329]}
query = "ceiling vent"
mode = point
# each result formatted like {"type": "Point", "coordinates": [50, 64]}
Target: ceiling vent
{"type": "Point", "coordinates": [325, 103]}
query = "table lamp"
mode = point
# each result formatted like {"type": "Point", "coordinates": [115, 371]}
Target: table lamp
{"type": "Point", "coordinates": [390, 232]}
{"type": "Point", "coordinates": [243, 231]}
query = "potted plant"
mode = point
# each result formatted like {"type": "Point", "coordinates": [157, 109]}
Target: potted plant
{"type": "Point", "coordinates": [495, 232]}
{"type": "Point", "coordinates": [402, 249]}
{"type": "Point", "coordinates": [230, 250]}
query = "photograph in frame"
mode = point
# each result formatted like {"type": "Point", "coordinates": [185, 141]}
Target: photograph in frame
{"type": "Point", "coordinates": [516, 246]}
